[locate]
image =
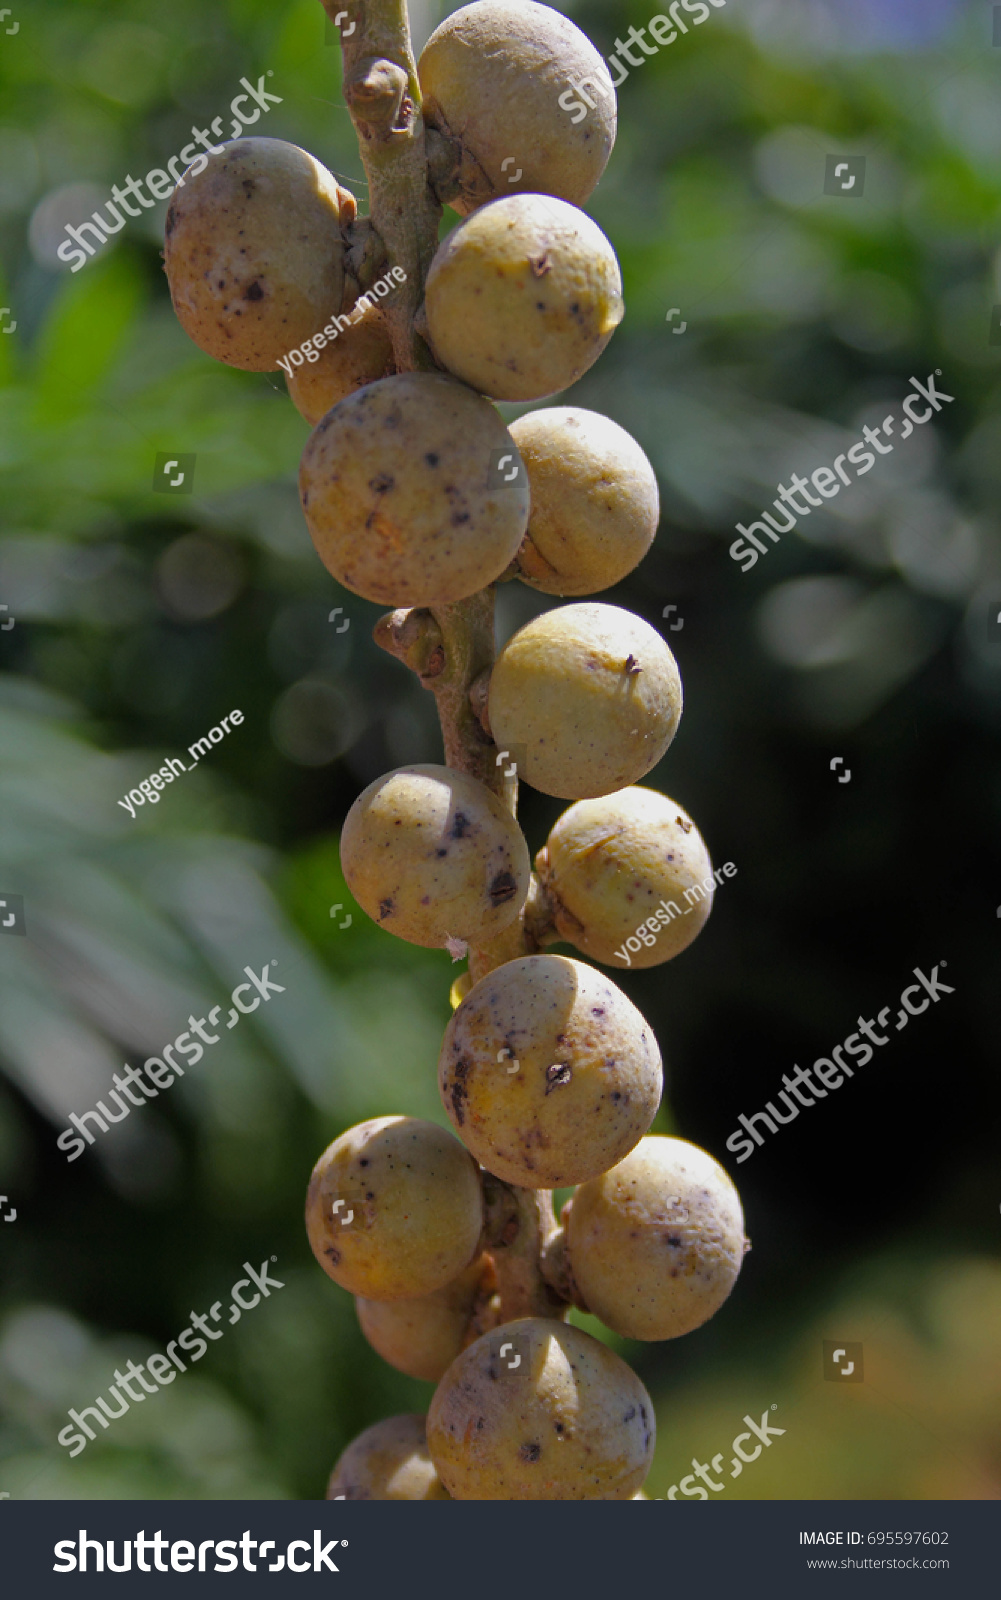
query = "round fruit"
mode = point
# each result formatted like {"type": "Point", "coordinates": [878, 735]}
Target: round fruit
{"type": "Point", "coordinates": [591, 695]}
{"type": "Point", "coordinates": [389, 1461]}
{"type": "Point", "coordinates": [548, 1072]}
{"type": "Point", "coordinates": [656, 1244]}
{"type": "Point", "coordinates": [361, 353]}
{"type": "Point", "coordinates": [595, 504]}
{"type": "Point", "coordinates": [523, 297]}
{"type": "Point", "coordinates": [629, 878]}
{"type": "Point", "coordinates": [423, 1337]}
{"type": "Point", "coordinates": [402, 496]}
{"type": "Point", "coordinates": [394, 1209]}
{"type": "Point", "coordinates": [431, 854]}
{"type": "Point", "coordinates": [254, 253]}
{"type": "Point", "coordinates": [569, 1422]}
{"type": "Point", "coordinates": [493, 76]}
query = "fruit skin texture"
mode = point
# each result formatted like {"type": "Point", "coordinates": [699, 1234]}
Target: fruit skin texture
{"type": "Point", "coordinates": [656, 1244]}
{"type": "Point", "coordinates": [254, 253]}
{"type": "Point", "coordinates": [397, 491]}
{"type": "Point", "coordinates": [417, 1204]}
{"type": "Point", "coordinates": [389, 1461]}
{"type": "Point", "coordinates": [609, 864]}
{"type": "Point", "coordinates": [575, 1424]}
{"type": "Point", "coordinates": [430, 853]}
{"type": "Point", "coordinates": [566, 689]}
{"type": "Point", "coordinates": [423, 1337]}
{"type": "Point", "coordinates": [522, 297]}
{"type": "Point", "coordinates": [589, 1079]}
{"type": "Point", "coordinates": [360, 354]}
{"type": "Point", "coordinates": [595, 502]}
{"type": "Point", "coordinates": [492, 75]}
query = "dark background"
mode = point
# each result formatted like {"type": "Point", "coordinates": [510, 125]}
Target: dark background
{"type": "Point", "coordinates": [141, 619]}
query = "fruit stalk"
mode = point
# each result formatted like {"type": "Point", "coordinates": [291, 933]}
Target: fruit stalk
{"type": "Point", "coordinates": [384, 99]}
{"type": "Point", "coordinates": [520, 1227]}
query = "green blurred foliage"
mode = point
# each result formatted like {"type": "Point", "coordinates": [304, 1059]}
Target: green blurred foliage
{"type": "Point", "coordinates": [141, 619]}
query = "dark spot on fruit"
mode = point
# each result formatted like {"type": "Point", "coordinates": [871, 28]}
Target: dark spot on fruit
{"type": "Point", "coordinates": [558, 1075]}
{"type": "Point", "coordinates": [363, 1162]}
{"type": "Point", "coordinates": [171, 222]}
{"type": "Point", "coordinates": [559, 1427]}
{"type": "Point", "coordinates": [672, 1239]}
{"type": "Point", "coordinates": [459, 1094]}
{"type": "Point", "coordinates": [369, 1195]}
{"type": "Point", "coordinates": [248, 186]}
{"type": "Point", "coordinates": [530, 1452]}
{"type": "Point", "coordinates": [632, 666]}
{"type": "Point", "coordinates": [386, 908]}
{"type": "Point", "coordinates": [686, 827]}
{"type": "Point", "coordinates": [541, 264]}
{"type": "Point", "coordinates": [479, 1423]}
{"type": "Point", "coordinates": [255, 292]}
{"type": "Point", "coordinates": [597, 1011]}
{"type": "Point", "coordinates": [458, 518]}
{"type": "Point", "coordinates": [440, 853]}
{"type": "Point", "coordinates": [616, 1095]}
{"type": "Point", "coordinates": [460, 826]}
{"type": "Point", "coordinates": [630, 1414]}
{"type": "Point", "coordinates": [335, 1255]}
{"type": "Point", "coordinates": [503, 888]}
{"type": "Point", "coordinates": [431, 459]}
{"type": "Point", "coordinates": [221, 285]}
{"type": "Point", "coordinates": [382, 483]}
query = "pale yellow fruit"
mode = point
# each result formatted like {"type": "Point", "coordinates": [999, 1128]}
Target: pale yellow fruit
{"type": "Point", "coordinates": [362, 353]}
{"type": "Point", "coordinates": [254, 253]}
{"type": "Point", "coordinates": [629, 878]}
{"type": "Point", "coordinates": [655, 1245]}
{"type": "Point", "coordinates": [423, 1337]}
{"type": "Point", "coordinates": [431, 854]}
{"type": "Point", "coordinates": [570, 1421]}
{"type": "Point", "coordinates": [595, 503]}
{"type": "Point", "coordinates": [401, 494]}
{"type": "Point", "coordinates": [492, 77]}
{"type": "Point", "coordinates": [389, 1461]}
{"type": "Point", "coordinates": [522, 297]}
{"type": "Point", "coordinates": [548, 1072]}
{"type": "Point", "coordinates": [409, 1209]}
{"type": "Point", "coordinates": [589, 695]}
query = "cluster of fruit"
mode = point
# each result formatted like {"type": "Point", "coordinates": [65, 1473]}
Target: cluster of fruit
{"type": "Point", "coordinates": [548, 1073]}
